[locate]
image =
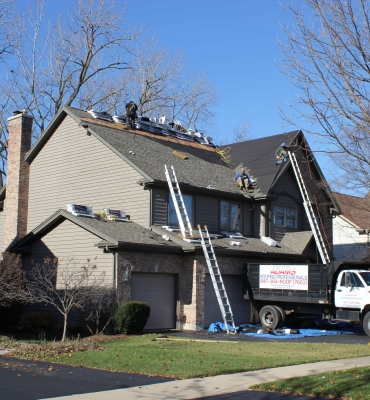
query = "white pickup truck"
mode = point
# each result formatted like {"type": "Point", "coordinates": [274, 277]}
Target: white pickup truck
{"type": "Point", "coordinates": [338, 291]}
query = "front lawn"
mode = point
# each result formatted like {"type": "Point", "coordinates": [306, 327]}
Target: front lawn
{"type": "Point", "coordinates": [351, 384]}
{"type": "Point", "coordinates": [188, 359]}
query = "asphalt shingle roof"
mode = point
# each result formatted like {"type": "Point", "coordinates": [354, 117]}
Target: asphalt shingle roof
{"type": "Point", "coordinates": [258, 156]}
{"type": "Point", "coordinates": [355, 209]}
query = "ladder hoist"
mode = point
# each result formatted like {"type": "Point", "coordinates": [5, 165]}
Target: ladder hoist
{"type": "Point", "coordinates": [218, 284]}
{"type": "Point", "coordinates": [208, 251]}
{"type": "Point", "coordinates": [309, 210]}
{"type": "Point", "coordinates": [178, 203]}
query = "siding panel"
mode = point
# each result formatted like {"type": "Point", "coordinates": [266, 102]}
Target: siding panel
{"type": "Point", "coordinates": [68, 240]}
{"type": "Point", "coordinates": [207, 213]}
{"type": "Point", "coordinates": [76, 168]}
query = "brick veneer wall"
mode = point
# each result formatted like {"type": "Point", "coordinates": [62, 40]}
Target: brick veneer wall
{"type": "Point", "coordinates": [191, 271]}
{"type": "Point", "coordinates": [17, 183]}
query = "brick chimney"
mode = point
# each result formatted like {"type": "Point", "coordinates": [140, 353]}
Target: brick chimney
{"type": "Point", "coordinates": [17, 179]}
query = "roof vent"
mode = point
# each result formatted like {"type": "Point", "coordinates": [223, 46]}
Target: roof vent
{"type": "Point", "coordinates": [80, 211]}
{"type": "Point", "coordinates": [116, 215]}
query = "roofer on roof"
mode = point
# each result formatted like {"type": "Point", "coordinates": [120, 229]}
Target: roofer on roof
{"type": "Point", "coordinates": [281, 153]}
{"type": "Point", "coordinates": [241, 178]}
{"type": "Point", "coordinates": [131, 109]}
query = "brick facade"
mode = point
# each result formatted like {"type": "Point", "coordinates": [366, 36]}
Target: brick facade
{"type": "Point", "coordinates": [16, 202]}
{"type": "Point", "coordinates": [190, 270]}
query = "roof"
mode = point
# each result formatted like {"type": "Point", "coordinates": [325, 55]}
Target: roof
{"type": "Point", "coordinates": [355, 209]}
{"type": "Point", "coordinates": [259, 157]}
{"type": "Point", "coordinates": [293, 246]}
{"type": "Point", "coordinates": [147, 153]}
{"type": "Point", "coordinates": [131, 236]}
{"type": "Point", "coordinates": [117, 234]}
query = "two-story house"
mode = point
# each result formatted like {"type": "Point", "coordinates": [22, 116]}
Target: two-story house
{"type": "Point", "coordinates": [87, 161]}
{"type": "Point", "coordinates": [351, 229]}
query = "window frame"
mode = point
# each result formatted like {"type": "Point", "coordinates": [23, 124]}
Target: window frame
{"type": "Point", "coordinates": [230, 228]}
{"type": "Point", "coordinates": [285, 217]}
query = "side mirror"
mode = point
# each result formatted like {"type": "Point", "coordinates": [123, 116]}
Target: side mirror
{"type": "Point", "coordinates": [347, 279]}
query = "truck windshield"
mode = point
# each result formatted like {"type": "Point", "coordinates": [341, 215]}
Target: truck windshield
{"type": "Point", "coordinates": [366, 277]}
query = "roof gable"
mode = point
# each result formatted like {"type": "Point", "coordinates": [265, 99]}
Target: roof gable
{"type": "Point", "coordinates": [355, 209]}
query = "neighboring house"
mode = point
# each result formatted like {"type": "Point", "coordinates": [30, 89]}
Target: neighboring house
{"type": "Point", "coordinates": [87, 161]}
{"type": "Point", "coordinates": [351, 229]}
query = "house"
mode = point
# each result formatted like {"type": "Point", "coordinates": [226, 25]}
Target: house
{"type": "Point", "coordinates": [84, 160]}
{"type": "Point", "coordinates": [351, 229]}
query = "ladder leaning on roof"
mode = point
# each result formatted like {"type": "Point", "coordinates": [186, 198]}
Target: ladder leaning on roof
{"type": "Point", "coordinates": [178, 203]}
{"type": "Point", "coordinates": [309, 210]}
{"type": "Point", "coordinates": [218, 284]}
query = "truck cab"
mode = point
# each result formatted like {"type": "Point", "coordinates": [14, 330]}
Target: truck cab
{"type": "Point", "coordinates": [352, 289]}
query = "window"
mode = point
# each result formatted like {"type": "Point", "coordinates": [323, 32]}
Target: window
{"type": "Point", "coordinates": [172, 217]}
{"type": "Point", "coordinates": [285, 216]}
{"type": "Point", "coordinates": [230, 216]}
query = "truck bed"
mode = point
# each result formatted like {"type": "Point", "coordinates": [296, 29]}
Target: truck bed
{"type": "Point", "coordinates": [317, 292]}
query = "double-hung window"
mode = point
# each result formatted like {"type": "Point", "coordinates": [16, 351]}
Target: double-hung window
{"type": "Point", "coordinates": [229, 216]}
{"type": "Point", "coordinates": [172, 217]}
{"type": "Point", "coordinates": [285, 216]}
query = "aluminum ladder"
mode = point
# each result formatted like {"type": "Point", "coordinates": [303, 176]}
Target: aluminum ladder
{"type": "Point", "coordinates": [218, 284]}
{"type": "Point", "coordinates": [309, 210]}
{"type": "Point", "coordinates": [179, 204]}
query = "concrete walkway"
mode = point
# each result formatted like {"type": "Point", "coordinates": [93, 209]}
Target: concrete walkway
{"type": "Point", "coordinates": [213, 386]}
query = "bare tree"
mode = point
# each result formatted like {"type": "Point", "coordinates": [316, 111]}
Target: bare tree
{"type": "Point", "coordinates": [242, 132]}
{"type": "Point", "coordinates": [12, 280]}
{"type": "Point", "coordinates": [327, 58]}
{"type": "Point", "coordinates": [158, 83]}
{"type": "Point", "coordinates": [61, 284]}
{"type": "Point", "coordinates": [96, 308]}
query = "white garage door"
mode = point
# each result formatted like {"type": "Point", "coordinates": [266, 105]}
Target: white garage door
{"type": "Point", "coordinates": [158, 290]}
{"type": "Point", "coordinates": [239, 306]}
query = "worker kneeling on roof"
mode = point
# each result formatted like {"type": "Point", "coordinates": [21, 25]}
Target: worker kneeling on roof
{"type": "Point", "coordinates": [243, 181]}
{"type": "Point", "coordinates": [131, 109]}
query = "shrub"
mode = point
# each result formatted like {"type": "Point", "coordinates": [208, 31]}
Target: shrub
{"type": "Point", "coordinates": [38, 321]}
{"type": "Point", "coordinates": [131, 317]}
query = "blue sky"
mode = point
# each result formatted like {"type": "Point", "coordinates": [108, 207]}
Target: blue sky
{"type": "Point", "coordinates": [235, 43]}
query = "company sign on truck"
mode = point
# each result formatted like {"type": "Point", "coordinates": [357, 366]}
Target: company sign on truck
{"type": "Point", "coordinates": [284, 277]}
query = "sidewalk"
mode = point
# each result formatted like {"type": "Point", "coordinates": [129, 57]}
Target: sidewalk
{"type": "Point", "coordinates": [213, 386]}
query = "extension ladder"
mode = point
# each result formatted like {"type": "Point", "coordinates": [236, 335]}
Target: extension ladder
{"type": "Point", "coordinates": [179, 204]}
{"type": "Point", "coordinates": [309, 210]}
{"type": "Point", "coordinates": [217, 281]}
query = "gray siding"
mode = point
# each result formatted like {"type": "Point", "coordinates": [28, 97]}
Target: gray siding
{"type": "Point", "coordinates": [289, 196]}
{"type": "Point", "coordinates": [2, 217]}
{"type": "Point", "coordinates": [247, 219]}
{"type": "Point", "coordinates": [68, 240]}
{"type": "Point", "coordinates": [257, 217]}
{"type": "Point", "coordinates": [207, 213]}
{"type": "Point", "coordinates": [76, 168]}
{"type": "Point", "coordinates": [160, 211]}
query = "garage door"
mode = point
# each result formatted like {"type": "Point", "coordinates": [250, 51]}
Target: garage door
{"type": "Point", "coordinates": [159, 291]}
{"type": "Point", "coordinates": [239, 306]}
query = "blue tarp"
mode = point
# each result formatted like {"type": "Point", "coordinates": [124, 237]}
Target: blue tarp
{"type": "Point", "coordinates": [220, 327]}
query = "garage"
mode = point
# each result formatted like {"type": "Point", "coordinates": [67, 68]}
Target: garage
{"type": "Point", "coordinates": [158, 290]}
{"type": "Point", "coordinates": [239, 306]}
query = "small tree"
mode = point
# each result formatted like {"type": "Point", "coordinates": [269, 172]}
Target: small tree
{"type": "Point", "coordinates": [12, 280]}
{"type": "Point", "coordinates": [61, 284]}
{"type": "Point", "coordinates": [97, 305]}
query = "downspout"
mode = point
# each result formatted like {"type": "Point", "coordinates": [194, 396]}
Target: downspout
{"type": "Point", "coordinates": [108, 250]}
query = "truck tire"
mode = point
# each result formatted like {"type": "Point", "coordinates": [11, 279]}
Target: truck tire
{"type": "Point", "coordinates": [283, 316]}
{"type": "Point", "coordinates": [366, 323]}
{"type": "Point", "coordinates": [270, 317]}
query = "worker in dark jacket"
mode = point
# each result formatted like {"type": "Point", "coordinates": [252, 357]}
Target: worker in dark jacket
{"type": "Point", "coordinates": [281, 154]}
{"type": "Point", "coordinates": [243, 181]}
{"type": "Point", "coordinates": [131, 109]}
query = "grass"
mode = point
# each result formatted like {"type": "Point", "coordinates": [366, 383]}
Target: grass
{"type": "Point", "coordinates": [188, 359]}
{"type": "Point", "coordinates": [351, 384]}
